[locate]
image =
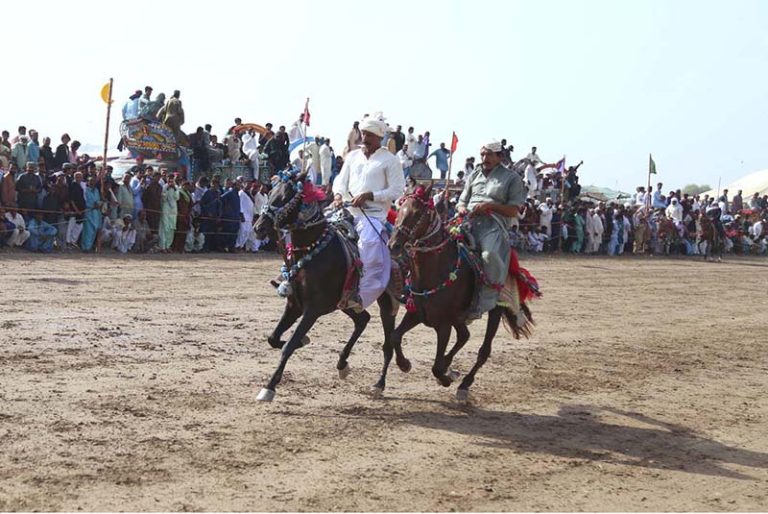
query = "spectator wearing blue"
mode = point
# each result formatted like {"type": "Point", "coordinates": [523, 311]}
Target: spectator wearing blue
{"type": "Point", "coordinates": [441, 159]}
{"type": "Point", "coordinates": [658, 200]}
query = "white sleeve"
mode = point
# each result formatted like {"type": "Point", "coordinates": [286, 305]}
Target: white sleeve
{"type": "Point", "coordinates": [341, 183]}
{"type": "Point", "coordinates": [395, 183]}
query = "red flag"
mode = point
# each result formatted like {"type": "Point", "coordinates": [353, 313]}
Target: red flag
{"type": "Point", "coordinates": [454, 143]}
{"type": "Point", "coordinates": [306, 113]}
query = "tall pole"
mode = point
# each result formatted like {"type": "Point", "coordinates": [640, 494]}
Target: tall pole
{"type": "Point", "coordinates": [448, 178]}
{"type": "Point", "coordinates": [106, 130]}
{"type": "Point", "coordinates": [648, 191]}
{"type": "Point", "coordinates": [304, 136]}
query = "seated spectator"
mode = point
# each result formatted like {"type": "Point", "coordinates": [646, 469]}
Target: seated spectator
{"type": "Point", "coordinates": [20, 233]}
{"type": "Point", "coordinates": [41, 234]}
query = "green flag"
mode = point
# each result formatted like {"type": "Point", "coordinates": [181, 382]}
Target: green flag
{"type": "Point", "coordinates": [651, 165]}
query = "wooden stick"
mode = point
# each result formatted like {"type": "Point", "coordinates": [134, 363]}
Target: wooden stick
{"type": "Point", "coordinates": [106, 131]}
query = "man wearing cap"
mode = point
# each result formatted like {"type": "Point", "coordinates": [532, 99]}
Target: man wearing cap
{"type": "Point", "coordinates": [28, 186]}
{"type": "Point", "coordinates": [125, 195]}
{"type": "Point", "coordinates": [371, 179]}
{"type": "Point", "coordinates": [145, 99]}
{"type": "Point", "coordinates": [492, 196]}
{"type": "Point", "coordinates": [124, 236]}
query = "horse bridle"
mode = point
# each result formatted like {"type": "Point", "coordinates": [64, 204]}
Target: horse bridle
{"type": "Point", "coordinates": [278, 215]}
{"type": "Point", "coordinates": [429, 215]}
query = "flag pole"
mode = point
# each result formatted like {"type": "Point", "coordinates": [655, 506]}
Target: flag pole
{"type": "Point", "coordinates": [106, 130]}
{"type": "Point", "coordinates": [304, 136]}
{"type": "Point", "coordinates": [648, 191]}
{"type": "Point", "coordinates": [448, 178]}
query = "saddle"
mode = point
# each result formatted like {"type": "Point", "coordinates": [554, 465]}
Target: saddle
{"type": "Point", "coordinates": [343, 224]}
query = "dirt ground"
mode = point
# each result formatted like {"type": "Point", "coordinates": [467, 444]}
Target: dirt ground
{"type": "Point", "coordinates": [129, 383]}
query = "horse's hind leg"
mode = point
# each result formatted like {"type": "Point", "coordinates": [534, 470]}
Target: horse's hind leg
{"type": "Point", "coordinates": [494, 318]}
{"type": "Point", "coordinates": [291, 313]}
{"type": "Point", "coordinates": [361, 320]}
{"type": "Point", "coordinates": [388, 322]}
{"type": "Point", "coordinates": [462, 336]}
{"type": "Point", "coordinates": [307, 321]}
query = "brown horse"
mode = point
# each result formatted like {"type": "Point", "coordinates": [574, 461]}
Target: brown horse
{"type": "Point", "coordinates": [314, 279]}
{"type": "Point", "coordinates": [442, 288]}
{"type": "Point", "coordinates": [706, 232]}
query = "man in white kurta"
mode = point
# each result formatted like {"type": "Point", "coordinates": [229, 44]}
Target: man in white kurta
{"type": "Point", "coordinates": [20, 234]}
{"type": "Point", "coordinates": [246, 237]}
{"type": "Point", "coordinates": [596, 238]}
{"type": "Point", "coordinates": [251, 150]}
{"type": "Point", "coordinates": [326, 163]}
{"type": "Point", "coordinates": [547, 209]}
{"type": "Point", "coordinates": [371, 179]}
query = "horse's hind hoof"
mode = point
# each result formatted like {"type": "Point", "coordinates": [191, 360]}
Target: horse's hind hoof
{"type": "Point", "coordinates": [344, 372]}
{"type": "Point", "coordinates": [377, 392]}
{"type": "Point", "coordinates": [462, 395]}
{"type": "Point", "coordinates": [265, 395]}
{"type": "Point", "coordinates": [305, 341]}
{"type": "Point", "coordinates": [405, 365]}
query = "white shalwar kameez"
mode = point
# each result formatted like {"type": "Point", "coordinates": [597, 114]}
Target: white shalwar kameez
{"type": "Point", "coordinates": [382, 175]}
{"type": "Point", "coordinates": [20, 234]}
{"type": "Point", "coordinates": [246, 237]}
{"type": "Point", "coordinates": [251, 150]}
{"type": "Point", "coordinates": [325, 164]}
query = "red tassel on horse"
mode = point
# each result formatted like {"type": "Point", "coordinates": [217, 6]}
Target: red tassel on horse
{"type": "Point", "coordinates": [527, 285]}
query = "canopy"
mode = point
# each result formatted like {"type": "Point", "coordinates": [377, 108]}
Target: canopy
{"type": "Point", "coordinates": [756, 182]}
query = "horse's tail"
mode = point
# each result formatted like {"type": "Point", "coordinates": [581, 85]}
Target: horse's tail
{"type": "Point", "coordinates": [519, 324]}
{"type": "Point", "coordinates": [521, 287]}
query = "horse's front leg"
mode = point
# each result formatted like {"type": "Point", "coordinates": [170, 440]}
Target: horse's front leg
{"type": "Point", "coordinates": [391, 345]}
{"type": "Point", "coordinates": [291, 313]}
{"type": "Point", "coordinates": [307, 321]}
{"type": "Point", "coordinates": [462, 336]}
{"type": "Point", "coordinates": [440, 367]}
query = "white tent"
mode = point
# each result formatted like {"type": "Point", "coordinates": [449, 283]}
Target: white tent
{"type": "Point", "coordinates": [756, 182]}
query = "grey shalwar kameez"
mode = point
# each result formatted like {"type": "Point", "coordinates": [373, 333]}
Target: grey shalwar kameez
{"type": "Point", "coordinates": [490, 231]}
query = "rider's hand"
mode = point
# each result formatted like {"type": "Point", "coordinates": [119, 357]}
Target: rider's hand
{"type": "Point", "coordinates": [481, 208]}
{"type": "Point", "coordinates": [359, 200]}
{"type": "Point", "coordinates": [462, 210]}
{"type": "Point", "coordinates": [338, 202]}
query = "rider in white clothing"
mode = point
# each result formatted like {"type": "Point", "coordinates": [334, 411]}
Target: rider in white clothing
{"type": "Point", "coordinates": [371, 179]}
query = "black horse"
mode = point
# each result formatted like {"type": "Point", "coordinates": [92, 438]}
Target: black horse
{"type": "Point", "coordinates": [314, 276]}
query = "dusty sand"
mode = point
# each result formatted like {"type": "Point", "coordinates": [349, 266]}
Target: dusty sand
{"type": "Point", "coordinates": [130, 384]}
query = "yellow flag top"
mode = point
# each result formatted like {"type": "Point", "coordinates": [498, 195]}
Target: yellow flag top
{"type": "Point", "coordinates": [105, 93]}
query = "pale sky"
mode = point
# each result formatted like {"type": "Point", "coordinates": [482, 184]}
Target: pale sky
{"type": "Point", "coordinates": [603, 81]}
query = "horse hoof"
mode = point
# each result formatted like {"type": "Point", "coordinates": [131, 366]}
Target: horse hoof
{"type": "Point", "coordinates": [462, 395]}
{"type": "Point", "coordinates": [405, 365]}
{"type": "Point", "coordinates": [377, 392]}
{"type": "Point", "coordinates": [265, 395]}
{"type": "Point", "coordinates": [454, 375]}
{"type": "Point", "coordinates": [305, 341]}
{"type": "Point", "coordinates": [344, 372]}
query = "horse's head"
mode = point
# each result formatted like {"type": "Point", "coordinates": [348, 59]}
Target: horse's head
{"type": "Point", "coordinates": [414, 217]}
{"type": "Point", "coordinates": [283, 204]}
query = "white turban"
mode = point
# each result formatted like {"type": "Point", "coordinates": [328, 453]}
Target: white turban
{"type": "Point", "coordinates": [375, 124]}
{"type": "Point", "coordinates": [493, 145]}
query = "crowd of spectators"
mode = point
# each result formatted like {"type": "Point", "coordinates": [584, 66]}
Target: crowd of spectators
{"type": "Point", "coordinates": [61, 200]}
{"type": "Point", "coordinates": [647, 223]}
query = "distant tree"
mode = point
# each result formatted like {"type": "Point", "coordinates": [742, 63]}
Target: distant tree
{"type": "Point", "coordinates": [693, 189]}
